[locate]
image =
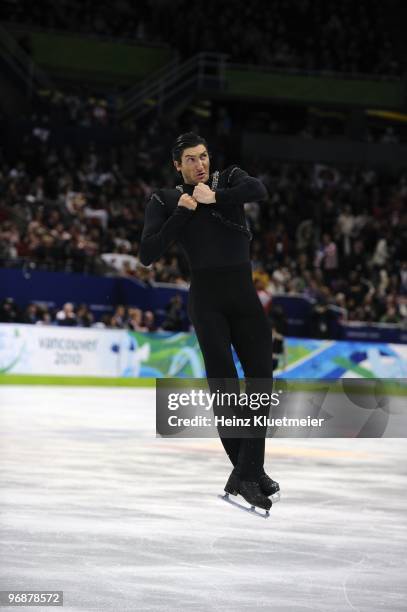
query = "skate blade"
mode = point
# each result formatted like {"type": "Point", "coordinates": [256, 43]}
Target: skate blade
{"type": "Point", "coordinates": [251, 509]}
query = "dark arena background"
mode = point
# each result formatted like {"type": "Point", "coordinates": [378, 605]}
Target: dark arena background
{"type": "Point", "coordinates": [310, 96]}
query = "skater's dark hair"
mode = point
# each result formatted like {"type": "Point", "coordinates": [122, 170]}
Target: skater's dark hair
{"type": "Point", "coordinates": [184, 141]}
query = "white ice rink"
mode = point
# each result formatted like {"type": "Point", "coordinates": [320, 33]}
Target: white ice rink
{"type": "Point", "coordinates": [94, 505]}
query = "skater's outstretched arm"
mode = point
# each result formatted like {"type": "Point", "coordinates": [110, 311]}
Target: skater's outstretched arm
{"type": "Point", "coordinates": [160, 230]}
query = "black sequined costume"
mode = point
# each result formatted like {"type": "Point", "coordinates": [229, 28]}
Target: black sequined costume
{"type": "Point", "coordinates": [223, 304]}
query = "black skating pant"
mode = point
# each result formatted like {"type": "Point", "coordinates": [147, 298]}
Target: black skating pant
{"type": "Point", "coordinates": [225, 309]}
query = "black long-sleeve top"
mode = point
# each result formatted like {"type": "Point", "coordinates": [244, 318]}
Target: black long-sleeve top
{"type": "Point", "coordinates": [212, 235]}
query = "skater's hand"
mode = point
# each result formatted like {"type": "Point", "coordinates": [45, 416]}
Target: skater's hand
{"type": "Point", "coordinates": [187, 201]}
{"type": "Point", "coordinates": [204, 194]}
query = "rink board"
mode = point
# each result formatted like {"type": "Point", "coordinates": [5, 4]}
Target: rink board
{"type": "Point", "coordinates": [93, 356]}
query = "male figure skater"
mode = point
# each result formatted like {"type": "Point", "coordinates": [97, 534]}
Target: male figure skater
{"type": "Point", "coordinates": [206, 216]}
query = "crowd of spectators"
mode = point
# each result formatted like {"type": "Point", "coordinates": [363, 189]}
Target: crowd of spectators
{"type": "Point", "coordinates": [315, 124]}
{"type": "Point", "coordinates": [69, 315]}
{"type": "Point", "coordinates": [64, 209]}
{"type": "Point", "coordinates": [348, 37]}
{"type": "Point", "coordinates": [311, 35]}
{"type": "Point", "coordinates": [78, 107]}
{"type": "Point", "coordinates": [75, 106]}
{"type": "Point", "coordinates": [337, 235]}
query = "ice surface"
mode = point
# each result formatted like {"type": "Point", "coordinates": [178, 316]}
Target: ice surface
{"type": "Point", "coordinates": [94, 505]}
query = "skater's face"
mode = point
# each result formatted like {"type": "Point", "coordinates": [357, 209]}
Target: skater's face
{"type": "Point", "coordinates": [194, 165]}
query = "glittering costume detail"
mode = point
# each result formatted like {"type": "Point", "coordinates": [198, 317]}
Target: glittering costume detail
{"type": "Point", "coordinates": [157, 197]}
{"type": "Point", "coordinates": [233, 225]}
{"type": "Point", "coordinates": [231, 174]}
{"type": "Point", "coordinates": [215, 179]}
{"type": "Point", "coordinates": [236, 226]}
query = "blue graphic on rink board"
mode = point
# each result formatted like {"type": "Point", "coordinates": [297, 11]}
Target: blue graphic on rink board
{"type": "Point", "coordinates": [338, 359]}
{"type": "Point", "coordinates": [50, 350]}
